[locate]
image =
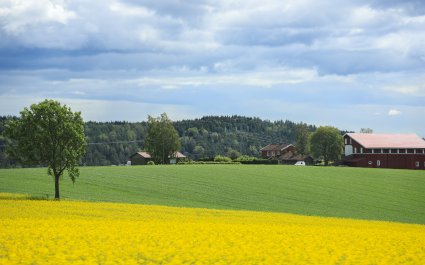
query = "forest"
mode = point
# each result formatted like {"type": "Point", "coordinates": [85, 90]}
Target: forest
{"type": "Point", "coordinates": [111, 143]}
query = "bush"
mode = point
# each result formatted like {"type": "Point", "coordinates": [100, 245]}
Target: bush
{"type": "Point", "coordinates": [245, 158]}
{"type": "Point", "coordinates": [220, 158]}
{"type": "Point", "coordinates": [260, 161]}
{"type": "Point", "coordinates": [208, 163]}
{"type": "Point", "coordinates": [150, 163]}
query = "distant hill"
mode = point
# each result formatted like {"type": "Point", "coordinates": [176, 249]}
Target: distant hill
{"type": "Point", "coordinates": [110, 143]}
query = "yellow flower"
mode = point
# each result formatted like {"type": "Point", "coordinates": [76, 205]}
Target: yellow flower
{"type": "Point", "coordinates": [69, 232]}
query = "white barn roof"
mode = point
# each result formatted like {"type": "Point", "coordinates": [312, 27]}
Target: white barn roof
{"type": "Point", "coordinates": [374, 140]}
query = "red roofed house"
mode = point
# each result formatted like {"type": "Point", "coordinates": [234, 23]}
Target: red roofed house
{"type": "Point", "coordinates": [275, 150]}
{"type": "Point", "coordinates": [384, 150]}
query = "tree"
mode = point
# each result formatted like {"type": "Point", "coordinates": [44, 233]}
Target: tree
{"type": "Point", "coordinates": [326, 143]}
{"type": "Point", "coordinates": [162, 140]}
{"type": "Point", "coordinates": [233, 154]}
{"type": "Point", "coordinates": [366, 130]}
{"type": "Point", "coordinates": [303, 134]}
{"type": "Point", "coordinates": [48, 134]}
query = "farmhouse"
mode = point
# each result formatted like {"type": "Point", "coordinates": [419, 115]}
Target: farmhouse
{"type": "Point", "coordinates": [275, 150]}
{"type": "Point", "coordinates": [142, 158]}
{"type": "Point", "coordinates": [384, 150]}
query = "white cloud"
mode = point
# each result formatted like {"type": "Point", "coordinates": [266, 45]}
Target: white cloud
{"type": "Point", "coordinates": [218, 54]}
{"type": "Point", "coordinates": [20, 14]}
{"type": "Point", "coordinates": [126, 10]}
{"type": "Point", "coordinates": [258, 78]}
{"type": "Point", "coordinates": [394, 112]}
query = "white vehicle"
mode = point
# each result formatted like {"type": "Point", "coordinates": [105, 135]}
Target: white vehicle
{"type": "Point", "coordinates": [300, 163]}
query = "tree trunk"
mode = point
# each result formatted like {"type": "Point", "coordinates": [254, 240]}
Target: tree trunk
{"type": "Point", "coordinates": [57, 187]}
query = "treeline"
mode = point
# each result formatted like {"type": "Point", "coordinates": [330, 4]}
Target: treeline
{"type": "Point", "coordinates": [111, 143]}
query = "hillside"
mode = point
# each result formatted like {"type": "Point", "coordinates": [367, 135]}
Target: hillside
{"type": "Point", "coordinates": [378, 194]}
{"type": "Point", "coordinates": [111, 143]}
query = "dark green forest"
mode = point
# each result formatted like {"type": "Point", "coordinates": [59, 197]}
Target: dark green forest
{"type": "Point", "coordinates": [111, 143]}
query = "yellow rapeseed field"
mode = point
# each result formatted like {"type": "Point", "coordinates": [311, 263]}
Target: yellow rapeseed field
{"type": "Point", "coordinates": [70, 232]}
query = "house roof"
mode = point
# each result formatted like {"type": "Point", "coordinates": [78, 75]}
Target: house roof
{"type": "Point", "coordinates": [143, 154]}
{"type": "Point", "coordinates": [179, 155]}
{"type": "Point", "coordinates": [374, 140]}
{"type": "Point", "coordinates": [275, 147]}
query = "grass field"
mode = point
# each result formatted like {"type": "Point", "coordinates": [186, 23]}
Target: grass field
{"type": "Point", "coordinates": [378, 194]}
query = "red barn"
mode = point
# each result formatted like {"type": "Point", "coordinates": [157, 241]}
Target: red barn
{"type": "Point", "coordinates": [384, 150]}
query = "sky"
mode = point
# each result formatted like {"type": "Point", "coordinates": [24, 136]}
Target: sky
{"type": "Point", "coordinates": [351, 64]}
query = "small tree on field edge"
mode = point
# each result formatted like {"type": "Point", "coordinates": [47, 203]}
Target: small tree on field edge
{"type": "Point", "coordinates": [48, 134]}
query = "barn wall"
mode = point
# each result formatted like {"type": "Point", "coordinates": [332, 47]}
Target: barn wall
{"type": "Point", "coordinates": [402, 161]}
{"type": "Point", "coordinates": [138, 160]}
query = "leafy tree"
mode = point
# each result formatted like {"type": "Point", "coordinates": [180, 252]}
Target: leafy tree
{"type": "Point", "coordinates": [303, 135]}
{"type": "Point", "coordinates": [326, 143]}
{"type": "Point", "coordinates": [48, 134]}
{"type": "Point", "coordinates": [162, 140]}
{"type": "Point", "coordinates": [366, 130]}
{"type": "Point", "coordinates": [233, 154]}
{"type": "Point", "coordinates": [199, 151]}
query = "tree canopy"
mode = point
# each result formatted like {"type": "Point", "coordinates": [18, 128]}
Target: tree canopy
{"type": "Point", "coordinates": [48, 134]}
{"type": "Point", "coordinates": [303, 134]}
{"type": "Point", "coordinates": [111, 143]}
{"type": "Point", "coordinates": [366, 130]}
{"type": "Point", "coordinates": [162, 140]}
{"type": "Point", "coordinates": [326, 143]}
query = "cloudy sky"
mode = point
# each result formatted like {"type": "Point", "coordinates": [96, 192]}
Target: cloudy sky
{"type": "Point", "coordinates": [346, 63]}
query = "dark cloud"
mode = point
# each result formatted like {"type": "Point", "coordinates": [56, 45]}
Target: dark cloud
{"type": "Point", "coordinates": [416, 7]}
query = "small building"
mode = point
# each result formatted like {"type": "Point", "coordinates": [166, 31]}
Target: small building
{"type": "Point", "coordinates": [142, 158]}
{"type": "Point", "coordinates": [276, 150]}
{"type": "Point", "coordinates": [176, 158]}
{"type": "Point", "coordinates": [289, 158]}
{"type": "Point", "coordinates": [384, 150]}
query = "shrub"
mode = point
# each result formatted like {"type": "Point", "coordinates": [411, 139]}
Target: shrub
{"type": "Point", "coordinates": [220, 158]}
{"type": "Point", "coordinates": [150, 163]}
{"type": "Point", "coordinates": [208, 163]}
{"type": "Point", "coordinates": [261, 161]}
{"type": "Point", "coordinates": [245, 158]}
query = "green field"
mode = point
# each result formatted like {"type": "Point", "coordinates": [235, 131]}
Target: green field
{"type": "Point", "coordinates": [379, 194]}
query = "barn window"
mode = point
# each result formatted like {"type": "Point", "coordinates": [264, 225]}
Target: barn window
{"type": "Point", "coordinates": [355, 150]}
{"type": "Point", "coordinates": [377, 151]}
{"type": "Point", "coordinates": [346, 141]}
{"type": "Point", "coordinates": [418, 151]}
{"type": "Point", "coordinates": [386, 151]}
{"type": "Point", "coordinates": [417, 164]}
{"type": "Point", "coordinates": [402, 151]}
{"type": "Point", "coordinates": [393, 151]}
{"type": "Point", "coordinates": [378, 163]}
{"type": "Point", "coordinates": [370, 162]}
{"type": "Point", "coordinates": [361, 150]}
{"type": "Point", "coordinates": [410, 151]}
